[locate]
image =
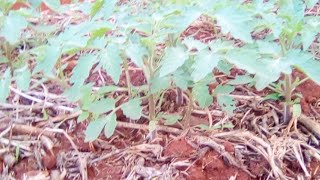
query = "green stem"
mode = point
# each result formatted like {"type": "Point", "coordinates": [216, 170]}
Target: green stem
{"type": "Point", "coordinates": [152, 106]}
{"type": "Point", "coordinates": [274, 89]}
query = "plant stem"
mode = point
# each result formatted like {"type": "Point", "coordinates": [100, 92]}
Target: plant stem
{"type": "Point", "coordinates": [8, 50]}
{"type": "Point", "coordinates": [126, 69]}
{"type": "Point", "coordinates": [187, 116]}
{"type": "Point", "coordinates": [274, 89]}
{"type": "Point", "coordinates": [288, 94]}
{"type": "Point", "coordinates": [303, 80]}
{"type": "Point", "coordinates": [152, 106]}
{"type": "Point", "coordinates": [179, 99]}
{"type": "Point", "coordinates": [152, 109]}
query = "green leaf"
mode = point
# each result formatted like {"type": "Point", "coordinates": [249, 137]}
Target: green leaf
{"type": "Point", "coordinates": [236, 22]}
{"type": "Point", "coordinates": [226, 102]}
{"type": "Point", "coordinates": [136, 52]}
{"type": "Point", "coordinates": [293, 10]}
{"type": "Point", "coordinates": [192, 43]}
{"type": "Point", "coordinates": [311, 3]}
{"type": "Point", "coordinates": [173, 59]}
{"type": "Point", "coordinates": [269, 48]}
{"type": "Point", "coordinates": [106, 10]}
{"type": "Point", "coordinates": [4, 5]}
{"type": "Point", "coordinates": [75, 93]}
{"type": "Point", "coordinates": [86, 96]}
{"type": "Point", "coordinates": [311, 69]}
{"type": "Point", "coordinates": [159, 83]}
{"type": "Point", "coordinates": [5, 82]}
{"type": "Point", "coordinates": [132, 109]}
{"type": "Point", "coordinates": [272, 96]}
{"type": "Point", "coordinates": [111, 125]}
{"type": "Point", "coordinates": [46, 65]}
{"type": "Point", "coordinates": [171, 119]}
{"type": "Point", "coordinates": [75, 36]}
{"type": "Point", "coordinates": [94, 129]}
{"type": "Point", "coordinates": [224, 67]}
{"type": "Point", "coordinates": [82, 69]}
{"type": "Point", "coordinates": [201, 94]}
{"type": "Point", "coordinates": [101, 106]}
{"type": "Point", "coordinates": [96, 7]}
{"type": "Point", "coordinates": [100, 32]}
{"type": "Point", "coordinates": [182, 21]}
{"type": "Point", "coordinates": [205, 61]}
{"type": "Point", "coordinates": [181, 79]}
{"type": "Point", "coordinates": [245, 59]}
{"type": "Point", "coordinates": [35, 3]}
{"type": "Point", "coordinates": [12, 27]}
{"type": "Point", "coordinates": [83, 116]}
{"type": "Point", "coordinates": [266, 70]}
{"type": "Point", "coordinates": [106, 89]}
{"type": "Point", "coordinates": [111, 61]}
{"type": "Point", "coordinates": [23, 78]}
{"type": "Point", "coordinates": [308, 36]}
{"type": "Point", "coordinates": [242, 79]}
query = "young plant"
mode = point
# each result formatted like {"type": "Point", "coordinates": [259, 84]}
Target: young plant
{"type": "Point", "coordinates": [154, 28]}
{"type": "Point", "coordinates": [12, 26]}
{"type": "Point", "coordinates": [276, 53]}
